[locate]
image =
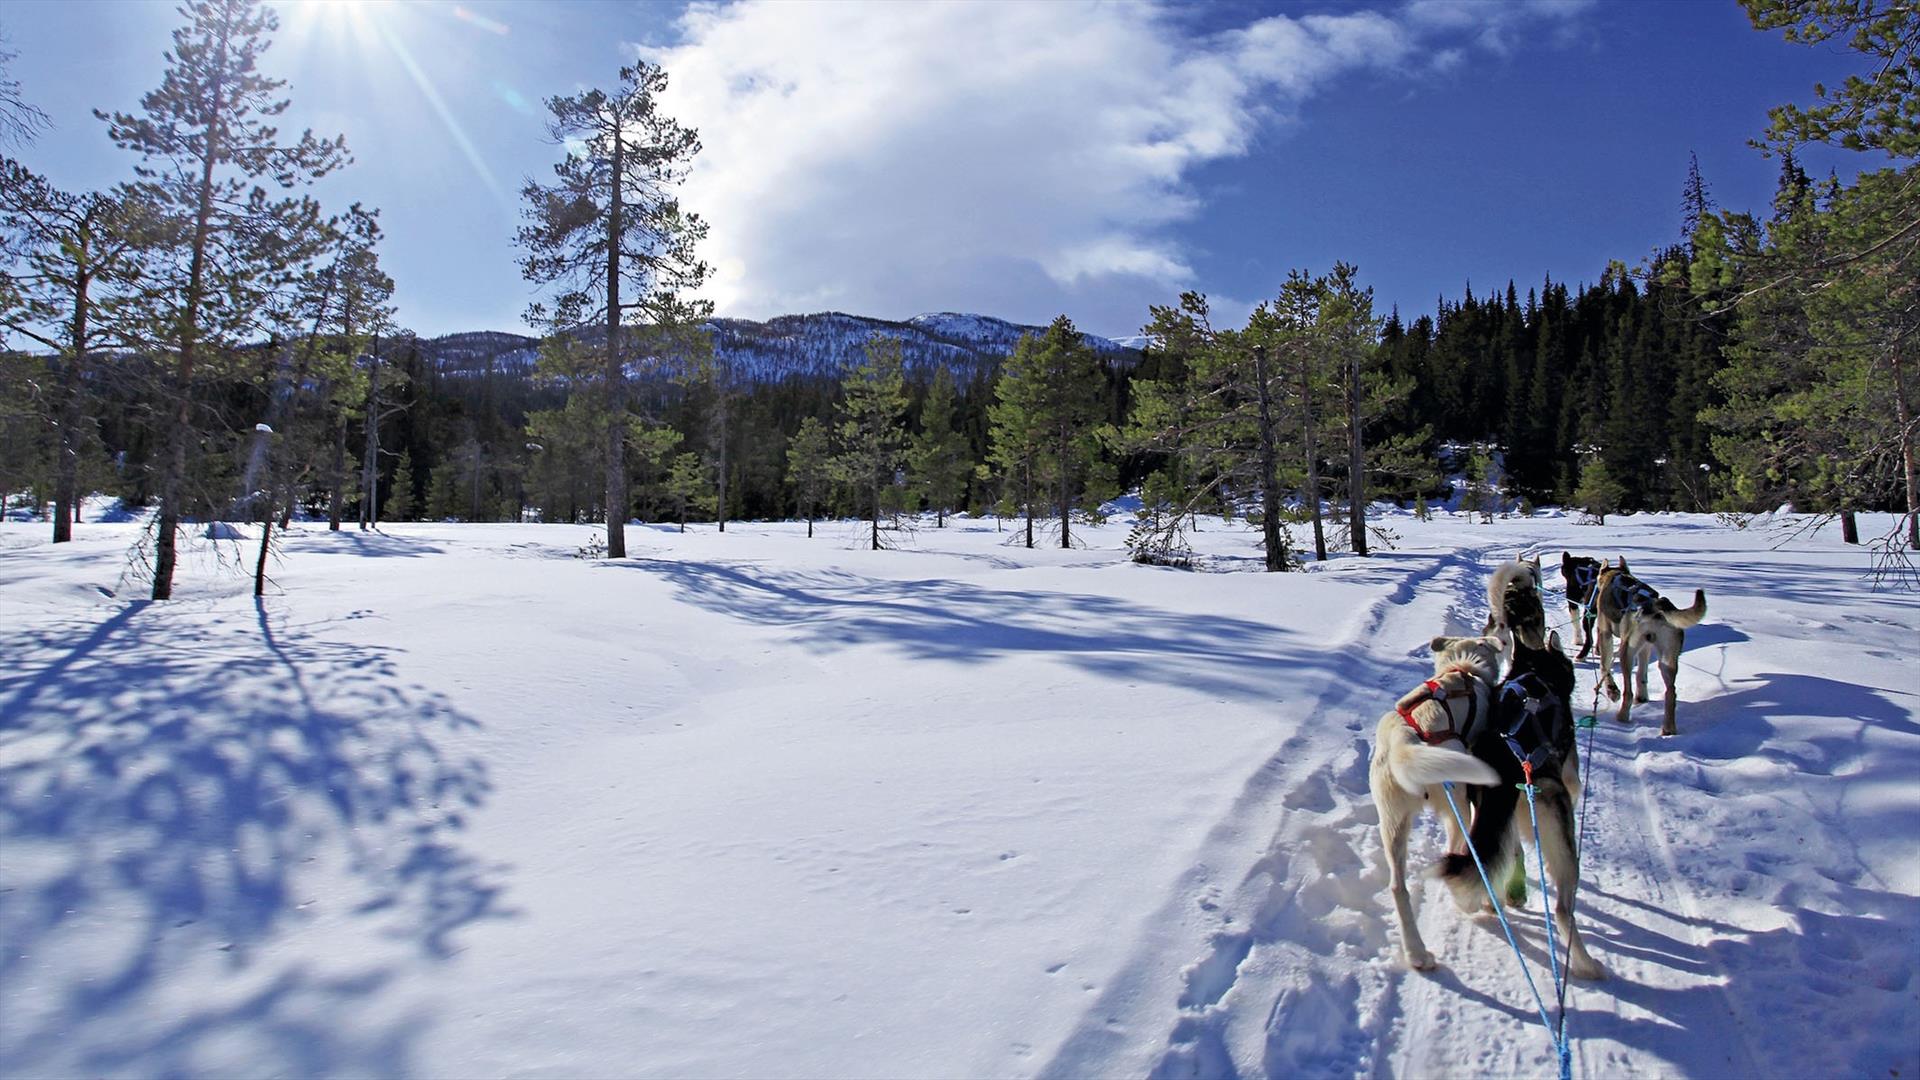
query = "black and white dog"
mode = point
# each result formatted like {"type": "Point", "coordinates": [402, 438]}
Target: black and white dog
{"type": "Point", "coordinates": [1579, 576]}
{"type": "Point", "coordinates": [1529, 734]}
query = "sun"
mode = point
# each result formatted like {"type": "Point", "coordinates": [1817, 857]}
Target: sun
{"type": "Point", "coordinates": [335, 19]}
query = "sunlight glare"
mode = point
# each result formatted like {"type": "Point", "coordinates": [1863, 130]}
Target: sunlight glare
{"type": "Point", "coordinates": [334, 19]}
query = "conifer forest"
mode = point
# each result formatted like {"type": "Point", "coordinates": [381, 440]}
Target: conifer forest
{"type": "Point", "coordinates": [208, 340]}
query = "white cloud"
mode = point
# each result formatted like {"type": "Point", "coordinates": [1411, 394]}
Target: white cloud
{"type": "Point", "coordinates": [1019, 159]}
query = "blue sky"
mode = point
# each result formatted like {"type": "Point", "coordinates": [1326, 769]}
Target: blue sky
{"type": "Point", "coordinates": [1018, 160]}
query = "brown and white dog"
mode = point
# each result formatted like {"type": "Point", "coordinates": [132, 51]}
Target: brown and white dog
{"type": "Point", "coordinates": [1422, 743]}
{"type": "Point", "coordinates": [1646, 625]}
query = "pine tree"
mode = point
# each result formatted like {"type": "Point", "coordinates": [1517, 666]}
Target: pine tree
{"type": "Point", "coordinates": [809, 468]}
{"type": "Point", "coordinates": [687, 488]}
{"type": "Point", "coordinates": [938, 460]}
{"type": "Point", "coordinates": [1018, 433]}
{"type": "Point", "coordinates": [871, 429]}
{"type": "Point", "coordinates": [614, 239]}
{"type": "Point", "coordinates": [205, 138]}
{"type": "Point", "coordinates": [1351, 333]}
{"type": "Point", "coordinates": [75, 259]}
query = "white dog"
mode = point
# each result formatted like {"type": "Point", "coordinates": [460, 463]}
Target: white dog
{"type": "Point", "coordinates": [1419, 745]}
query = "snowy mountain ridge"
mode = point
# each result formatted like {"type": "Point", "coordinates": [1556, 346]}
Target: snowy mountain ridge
{"type": "Point", "coordinates": [787, 346]}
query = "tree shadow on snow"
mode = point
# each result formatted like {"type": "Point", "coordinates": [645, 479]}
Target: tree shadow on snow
{"type": "Point", "coordinates": [179, 798]}
{"type": "Point", "coordinates": [962, 622]}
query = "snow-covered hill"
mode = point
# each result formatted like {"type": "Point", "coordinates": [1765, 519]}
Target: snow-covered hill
{"type": "Point", "coordinates": [454, 802]}
{"type": "Point", "coordinates": [790, 345]}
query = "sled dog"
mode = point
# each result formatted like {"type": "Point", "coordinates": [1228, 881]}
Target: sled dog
{"type": "Point", "coordinates": [1530, 737]}
{"type": "Point", "coordinates": [1422, 742]}
{"type": "Point", "coordinates": [1513, 603]}
{"type": "Point", "coordinates": [1646, 625]}
{"type": "Point", "coordinates": [1578, 575]}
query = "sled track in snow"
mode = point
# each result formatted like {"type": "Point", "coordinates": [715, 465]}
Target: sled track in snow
{"type": "Point", "coordinates": [1300, 928]}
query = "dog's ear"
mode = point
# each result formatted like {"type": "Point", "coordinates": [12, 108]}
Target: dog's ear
{"type": "Point", "coordinates": [1535, 563]}
{"type": "Point", "coordinates": [1441, 644]}
{"type": "Point", "coordinates": [1623, 565]}
{"type": "Point", "coordinates": [1553, 640]}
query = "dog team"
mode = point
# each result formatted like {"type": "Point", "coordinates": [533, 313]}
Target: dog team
{"type": "Point", "coordinates": [1491, 730]}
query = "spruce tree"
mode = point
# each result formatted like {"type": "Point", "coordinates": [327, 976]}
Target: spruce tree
{"type": "Point", "coordinates": [401, 500]}
{"type": "Point", "coordinates": [205, 137]}
{"type": "Point", "coordinates": [938, 461]}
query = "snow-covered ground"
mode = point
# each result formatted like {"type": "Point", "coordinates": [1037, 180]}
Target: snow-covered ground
{"type": "Point", "coordinates": [453, 802]}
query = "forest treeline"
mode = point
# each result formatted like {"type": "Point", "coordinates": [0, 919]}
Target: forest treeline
{"type": "Point", "coordinates": [208, 341]}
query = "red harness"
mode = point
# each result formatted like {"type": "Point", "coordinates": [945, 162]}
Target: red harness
{"type": "Point", "coordinates": [1432, 690]}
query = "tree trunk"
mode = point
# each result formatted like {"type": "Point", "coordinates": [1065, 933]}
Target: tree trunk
{"type": "Point", "coordinates": [1903, 413]}
{"type": "Point", "coordinates": [720, 503]}
{"type": "Point", "coordinates": [1270, 535]}
{"type": "Point", "coordinates": [173, 475]}
{"type": "Point", "coordinates": [1356, 461]}
{"type": "Point", "coordinates": [617, 497]}
{"type": "Point", "coordinates": [260, 567]}
{"type": "Point", "coordinates": [66, 499]}
{"type": "Point", "coordinates": [337, 493]}
{"type": "Point", "coordinates": [1026, 500]}
{"type": "Point", "coordinates": [1849, 528]}
{"type": "Point", "coordinates": [370, 442]}
{"type": "Point", "coordinates": [1313, 458]}
{"type": "Point", "coordinates": [1060, 459]}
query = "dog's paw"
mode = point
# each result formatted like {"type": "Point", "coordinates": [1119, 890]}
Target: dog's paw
{"type": "Point", "coordinates": [1587, 970]}
{"type": "Point", "coordinates": [1421, 961]}
{"type": "Point", "coordinates": [1612, 691]}
{"type": "Point", "coordinates": [1669, 730]}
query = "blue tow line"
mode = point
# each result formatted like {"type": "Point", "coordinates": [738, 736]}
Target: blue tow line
{"type": "Point", "coordinates": [1559, 1049]}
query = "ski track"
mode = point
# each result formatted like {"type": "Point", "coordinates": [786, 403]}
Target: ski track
{"type": "Point", "coordinates": [1303, 931]}
{"type": "Point", "coordinates": [1298, 972]}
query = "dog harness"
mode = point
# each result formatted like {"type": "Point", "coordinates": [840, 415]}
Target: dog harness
{"type": "Point", "coordinates": [1535, 699]}
{"type": "Point", "coordinates": [1434, 690]}
{"type": "Point", "coordinates": [1629, 592]}
{"type": "Point", "coordinates": [1584, 577]}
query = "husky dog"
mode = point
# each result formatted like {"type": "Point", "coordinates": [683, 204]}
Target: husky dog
{"type": "Point", "coordinates": [1530, 739]}
{"type": "Point", "coordinates": [1646, 625]}
{"type": "Point", "coordinates": [1513, 603]}
{"type": "Point", "coordinates": [1421, 743]}
{"type": "Point", "coordinates": [1578, 575]}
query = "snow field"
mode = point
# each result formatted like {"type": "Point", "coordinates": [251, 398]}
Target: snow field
{"type": "Point", "coordinates": [452, 802]}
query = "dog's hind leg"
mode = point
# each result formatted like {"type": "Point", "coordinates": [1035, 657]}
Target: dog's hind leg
{"type": "Point", "coordinates": [1670, 672]}
{"type": "Point", "coordinates": [1642, 653]}
{"type": "Point", "coordinates": [1625, 698]}
{"type": "Point", "coordinates": [1604, 632]}
{"type": "Point", "coordinates": [1563, 868]}
{"type": "Point", "coordinates": [1396, 822]}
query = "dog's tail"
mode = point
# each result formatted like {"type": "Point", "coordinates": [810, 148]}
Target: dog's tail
{"type": "Point", "coordinates": [1416, 766]}
{"type": "Point", "coordinates": [1681, 618]}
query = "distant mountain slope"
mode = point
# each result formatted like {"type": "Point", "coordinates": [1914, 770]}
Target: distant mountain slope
{"type": "Point", "coordinates": [795, 345]}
